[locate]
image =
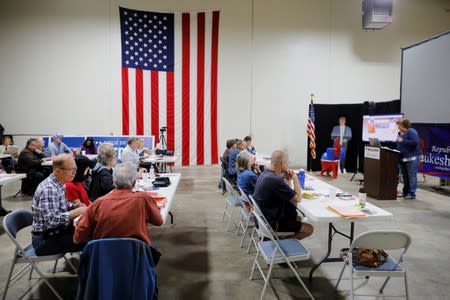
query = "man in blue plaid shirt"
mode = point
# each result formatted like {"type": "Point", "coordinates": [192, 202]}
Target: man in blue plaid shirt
{"type": "Point", "coordinates": [52, 213]}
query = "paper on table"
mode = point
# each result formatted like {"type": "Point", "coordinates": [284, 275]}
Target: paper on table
{"type": "Point", "coordinates": [348, 211]}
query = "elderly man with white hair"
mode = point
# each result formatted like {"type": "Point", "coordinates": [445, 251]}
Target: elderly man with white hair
{"type": "Point", "coordinates": [121, 213]}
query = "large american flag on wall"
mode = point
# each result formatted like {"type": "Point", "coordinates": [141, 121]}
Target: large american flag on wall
{"type": "Point", "coordinates": [169, 78]}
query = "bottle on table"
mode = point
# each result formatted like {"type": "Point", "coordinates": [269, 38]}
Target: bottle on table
{"type": "Point", "coordinates": [152, 173]}
{"type": "Point", "coordinates": [301, 178]}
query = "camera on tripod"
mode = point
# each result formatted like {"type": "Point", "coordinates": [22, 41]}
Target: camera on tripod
{"type": "Point", "coordinates": [163, 129]}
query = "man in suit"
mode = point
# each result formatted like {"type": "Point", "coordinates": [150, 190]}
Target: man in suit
{"type": "Point", "coordinates": [344, 133]}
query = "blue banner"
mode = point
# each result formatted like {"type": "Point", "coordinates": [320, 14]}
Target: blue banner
{"type": "Point", "coordinates": [119, 141]}
{"type": "Point", "coordinates": [434, 143]}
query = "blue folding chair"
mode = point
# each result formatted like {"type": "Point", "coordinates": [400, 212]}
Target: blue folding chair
{"type": "Point", "coordinates": [13, 223]}
{"type": "Point", "coordinates": [378, 239]}
{"type": "Point", "coordinates": [116, 269]}
{"type": "Point", "coordinates": [276, 251]}
{"type": "Point", "coordinates": [232, 201]}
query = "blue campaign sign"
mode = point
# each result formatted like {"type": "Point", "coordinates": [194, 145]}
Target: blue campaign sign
{"type": "Point", "coordinates": [434, 144]}
{"type": "Point", "coordinates": [119, 142]}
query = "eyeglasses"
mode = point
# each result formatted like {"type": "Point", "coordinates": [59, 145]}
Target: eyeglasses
{"type": "Point", "coordinates": [73, 170]}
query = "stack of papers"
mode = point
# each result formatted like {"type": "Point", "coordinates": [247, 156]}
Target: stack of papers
{"type": "Point", "coordinates": [348, 211]}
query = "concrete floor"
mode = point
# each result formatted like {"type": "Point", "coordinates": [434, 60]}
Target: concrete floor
{"type": "Point", "coordinates": [202, 261]}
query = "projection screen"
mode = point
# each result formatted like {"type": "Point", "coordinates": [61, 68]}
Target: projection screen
{"type": "Point", "coordinates": [425, 80]}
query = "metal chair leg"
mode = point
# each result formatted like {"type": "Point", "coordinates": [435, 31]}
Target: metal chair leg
{"type": "Point", "coordinates": [31, 273]}
{"type": "Point", "coordinates": [406, 287]}
{"type": "Point", "coordinates": [9, 279]}
{"type": "Point", "coordinates": [340, 275]}
{"type": "Point", "coordinates": [54, 266]}
{"type": "Point", "coordinates": [351, 283]}
{"type": "Point", "coordinates": [70, 264]}
{"type": "Point", "coordinates": [47, 282]}
{"type": "Point", "coordinates": [384, 285]}
{"type": "Point", "coordinates": [267, 279]}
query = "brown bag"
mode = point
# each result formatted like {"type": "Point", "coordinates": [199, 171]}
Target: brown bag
{"type": "Point", "coordinates": [372, 258]}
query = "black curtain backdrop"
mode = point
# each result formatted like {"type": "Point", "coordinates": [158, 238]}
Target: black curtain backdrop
{"type": "Point", "coordinates": [327, 116]}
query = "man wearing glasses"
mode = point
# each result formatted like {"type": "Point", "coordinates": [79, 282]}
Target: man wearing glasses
{"type": "Point", "coordinates": [52, 214]}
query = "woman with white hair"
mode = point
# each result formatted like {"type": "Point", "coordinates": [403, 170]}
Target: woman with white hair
{"type": "Point", "coordinates": [248, 172]}
{"type": "Point", "coordinates": [102, 179]}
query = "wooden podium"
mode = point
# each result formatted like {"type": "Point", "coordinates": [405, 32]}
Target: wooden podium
{"type": "Point", "coordinates": [380, 172]}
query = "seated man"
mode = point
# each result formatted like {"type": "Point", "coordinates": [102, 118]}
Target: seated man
{"type": "Point", "coordinates": [52, 214]}
{"type": "Point", "coordinates": [249, 146]}
{"type": "Point", "coordinates": [57, 147]}
{"type": "Point", "coordinates": [121, 213]}
{"type": "Point", "coordinates": [130, 153]}
{"type": "Point", "coordinates": [30, 163]}
{"type": "Point", "coordinates": [9, 163]}
{"type": "Point", "coordinates": [277, 200]}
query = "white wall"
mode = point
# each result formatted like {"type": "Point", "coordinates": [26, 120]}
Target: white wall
{"type": "Point", "coordinates": [60, 63]}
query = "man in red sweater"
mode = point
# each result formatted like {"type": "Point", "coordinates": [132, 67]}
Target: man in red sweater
{"type": "Point", "coordinates": [121, 213]}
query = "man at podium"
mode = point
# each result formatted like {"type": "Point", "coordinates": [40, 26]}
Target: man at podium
{"type": "Point", "coordinates": [344, 133]}
{"type": "Point", "coordinates": [408, 145]}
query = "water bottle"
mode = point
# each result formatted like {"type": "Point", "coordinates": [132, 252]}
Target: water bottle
{"type": "Point", "coordinates": [152, 173]}
{"type": "Point", "coordinates": [301, 178]}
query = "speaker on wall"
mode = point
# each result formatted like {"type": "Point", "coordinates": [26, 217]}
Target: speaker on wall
{"type": "Point", "coordinates": [376, 14]}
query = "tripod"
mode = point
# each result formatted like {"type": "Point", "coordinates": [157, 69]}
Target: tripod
{"type": "Point", "coordinates": [357, 168]}
{"type": "Point", "coordinates": [162, 139]}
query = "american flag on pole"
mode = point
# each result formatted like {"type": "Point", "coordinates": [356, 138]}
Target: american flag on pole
{"type": "Point", "coordinates": [169, 79]}
{"type": "Point", "coordinates": [311, 130]}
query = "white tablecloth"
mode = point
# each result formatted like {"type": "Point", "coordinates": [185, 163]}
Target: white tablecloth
{"type": "Point", "coordinates": [169, 191]}
{"type": "Point", "coordinates": [316, 210]}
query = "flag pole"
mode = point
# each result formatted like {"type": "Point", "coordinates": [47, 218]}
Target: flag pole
{"type": "Point", "coordinates": [309, 150]}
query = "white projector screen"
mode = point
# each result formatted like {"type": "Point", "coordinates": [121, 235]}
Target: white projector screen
{"type": "Point", "coordinates": [425, 82]}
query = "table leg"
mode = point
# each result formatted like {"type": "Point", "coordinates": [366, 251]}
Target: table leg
{"type": "Point", "coordinates": [326, 258]}
{"type": "Point", "coordinates": [171, 218]}
{"type": "Point", "coordinates": [330, 240]}
{"type": "Point", "coordinates": [352, 230]}
{"type": "Point", "coordinates": [3, 212]}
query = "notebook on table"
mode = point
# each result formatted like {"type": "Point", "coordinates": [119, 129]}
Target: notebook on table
{"type": "Point", "coordinates": [348, 211]}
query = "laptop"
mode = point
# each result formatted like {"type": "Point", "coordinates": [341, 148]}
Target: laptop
{"type": "Point", "coordinates": [374, 142]}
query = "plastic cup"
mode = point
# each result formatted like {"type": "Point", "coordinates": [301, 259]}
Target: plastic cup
{"type": "Point", "coordinates": [332, 193]}
{"type": "Point", "coordinates": [362, 199]}
{"type": "Point", "coordinates": [83, 152]}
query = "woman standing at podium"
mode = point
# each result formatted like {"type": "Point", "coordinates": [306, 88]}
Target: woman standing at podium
{"type": "Point", "coordinates": [408, 145]}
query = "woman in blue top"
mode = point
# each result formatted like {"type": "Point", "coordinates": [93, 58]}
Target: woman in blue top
{"type": "Point", "coordinates": [248, 171]}
{"type": "Point", "coordinates": [408, 145]}
{"type": "Point", "coordinates": [232, 170]}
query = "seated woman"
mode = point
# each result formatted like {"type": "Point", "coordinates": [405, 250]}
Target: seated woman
{"type": "Point", "coordinates": [75, 190]}
{"type": "Point", "coordinates": [248, 172]}
{"type": "Point", "coordinates": [102, 180]}
{"type": "Point", "coordinates": [89, 146]}
{"type": "Point", "coordinates": [9, 163]}
{"type": "Point", "coordinates": [232, 174]}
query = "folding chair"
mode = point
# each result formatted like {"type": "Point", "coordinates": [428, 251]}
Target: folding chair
{"type": "Point", "coordinates": [276, 251]}
{"type": "Point", "coordinates": [257, 235]}
{"type": "Point", "coordinates": [117, 269]}
{"type": "Point", "coordinates": [378, 239]}
{"type": "Point", "coordinates": [246, 221]}
{"type": "Point", "coordinates": [13, 223]}
{"type": "Point", "coordinates": [232, 201]}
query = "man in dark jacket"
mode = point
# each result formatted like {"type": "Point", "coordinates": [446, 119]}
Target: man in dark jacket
{"type": "Point", "coordinates": [30, 163]}
{"type": "Point", "coordinates": [102, 179]}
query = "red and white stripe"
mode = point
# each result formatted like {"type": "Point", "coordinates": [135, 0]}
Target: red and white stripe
{"type": "Point", "coordinates": [184, 100]}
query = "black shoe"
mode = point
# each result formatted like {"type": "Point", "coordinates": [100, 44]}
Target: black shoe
{"type": "Point", "coordinates": [409, 197]}
{"type": "Point", "coordinates": [4, 212]}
